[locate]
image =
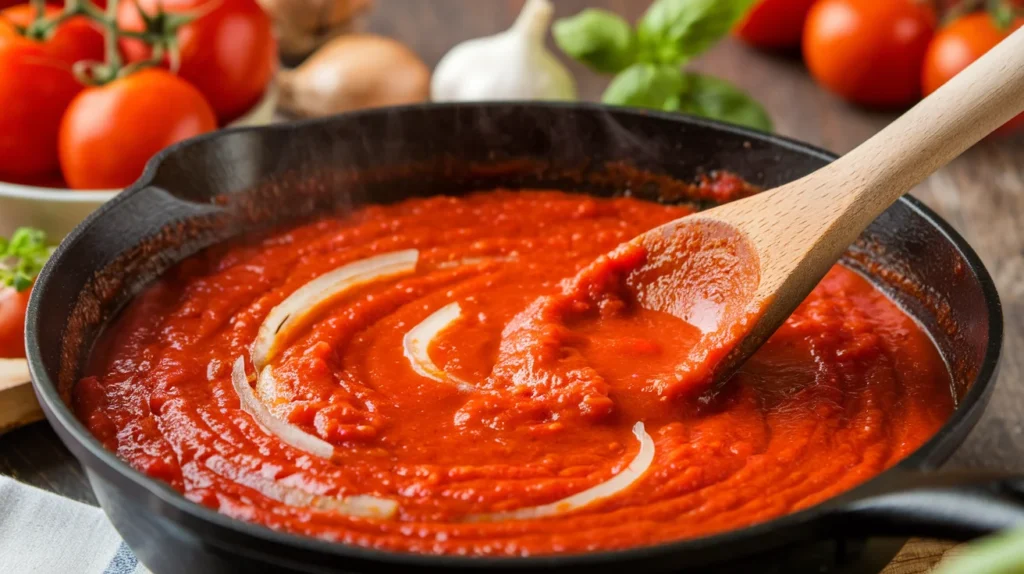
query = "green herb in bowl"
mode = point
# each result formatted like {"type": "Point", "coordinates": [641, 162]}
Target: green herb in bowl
{"type": "Point", "coordinates": [21, 258]}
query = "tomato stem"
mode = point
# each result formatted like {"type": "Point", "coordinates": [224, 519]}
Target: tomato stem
{"type": "Point", "coordinates": [160, 34]}
{"type": "Point", "coordinates": [1003, 13]}
{"type": "Point", "coordinates": [111, 35]}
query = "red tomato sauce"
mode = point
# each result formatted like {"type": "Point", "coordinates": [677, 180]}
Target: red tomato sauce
{"type": "Point", "coordinates": [541, 378]}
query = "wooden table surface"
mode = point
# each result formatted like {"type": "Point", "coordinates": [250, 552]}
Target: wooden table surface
{"type": "Point", "coordinates": [981, 194]}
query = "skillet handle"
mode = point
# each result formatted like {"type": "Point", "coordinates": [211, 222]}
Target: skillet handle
{"type": "Point", "coordinates": [947, 505]}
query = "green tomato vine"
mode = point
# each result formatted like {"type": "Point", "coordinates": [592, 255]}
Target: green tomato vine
{"type": "Point", "coordinates": [1003, 12]}
{"type": "Point", "coordinates": [160, 32]}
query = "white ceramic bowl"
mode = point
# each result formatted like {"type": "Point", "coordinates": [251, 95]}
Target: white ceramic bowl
{"type": "Point", "coordinates": [57, 211]}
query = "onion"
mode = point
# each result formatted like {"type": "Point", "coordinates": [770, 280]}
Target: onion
{"type": "Point", "coordinates": [610, 487]}
{"type": "Point", "coordinates": [302, 25]}
{"type": "Point", "coordinates": [472, 261]}
{"type": "Point", "coordinates": [358, 505]}
{"type": "Point", "coordinates": [354, 72]}
{"type": "Point", "coordinates": [266, 387]}
{"type": "Point", "coordinates": [309, 296]}
{"type": "Point", "coordinates": [289, 434]}
{"type": "Point", "coordinates": [416, 345]}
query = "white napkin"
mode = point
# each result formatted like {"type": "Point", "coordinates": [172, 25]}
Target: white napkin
{"type": "Point", "coordinates": [41, 533]}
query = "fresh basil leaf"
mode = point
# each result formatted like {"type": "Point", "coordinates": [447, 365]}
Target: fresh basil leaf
{"type": "Point", "coordinates": [22, 257]}
{"type": "Point", "coordinates": [599, 39]}
{"type": "Point", "coordinates": [719, 100]}
{"type": "Point", "coordinates": [646, 86]}
{"type": "Point", "coordinates": [21, 282]}
{"type": "Point", "coordinates": [26, 241]}
{"type": "Point", "coordinates": [673, 31]}
{"type": "Point", "coordinates": [1000, 554]}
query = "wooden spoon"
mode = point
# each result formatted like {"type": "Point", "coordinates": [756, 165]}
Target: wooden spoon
{"type": "Point", "coordinates": [739, 270]}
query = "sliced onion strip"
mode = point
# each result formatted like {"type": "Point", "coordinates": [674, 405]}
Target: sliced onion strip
{"type": "Point", "coordinates": [360, 505]}
{"type": "Point", "coordinates": [289, 434]}
{"type": "Point", "coordinates": [266, 388]}
{"type": "Point", "coordinates": [636, 469]}
{"type": "Point", "coordinates": [331, 284]}
{"type": "Point", "coordinates": [473, 261]}
{"type": "Point", "coordinates": [416, 345]}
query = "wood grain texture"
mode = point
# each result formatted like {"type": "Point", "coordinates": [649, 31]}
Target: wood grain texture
{"type": "Point", "coordinates": [18, 404]}
{"type": "Point", "coordinates": [920, 557]}
{"type": "Point", "coordinates": [981, 194]}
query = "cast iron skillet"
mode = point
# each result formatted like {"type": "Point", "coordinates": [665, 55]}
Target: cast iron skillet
{"type": "Point", "coordinates": [214, 187]}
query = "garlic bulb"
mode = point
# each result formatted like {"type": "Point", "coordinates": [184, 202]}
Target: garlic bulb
{"type": "Point", "coordinates": [513, 65]}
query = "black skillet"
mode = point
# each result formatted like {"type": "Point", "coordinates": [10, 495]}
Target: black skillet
{"type": "Point", "coordinates": [218, 186]}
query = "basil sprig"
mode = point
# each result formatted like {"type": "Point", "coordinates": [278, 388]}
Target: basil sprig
{"type": "Point", "coordinates": [22, 257]}
{"type": "Point", "coordinates": [647, 59]}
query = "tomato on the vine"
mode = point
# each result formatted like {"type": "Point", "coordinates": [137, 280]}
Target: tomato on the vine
{"type": "Point", "coordinates": [74, 40]}
{"type": "Point", "coordinates": [36, 85]}
{"type": "Point", "coordinates": [869, 51]}
{"type": "Point", "coordinates": [57, 3]}
{"type": "Point", "coordinates": [228, 52]}
{"type": "Point", "coordinates": [958, 45]}
{"type": "Point", "coordinates": [775, 24]}
{"type": "Point", "coordinates": [12, 322]}
{"type": "Point", "coordinates": [109, 132]}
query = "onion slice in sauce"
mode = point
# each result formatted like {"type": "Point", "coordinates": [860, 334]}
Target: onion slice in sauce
{"type": "Point", "coordinates": [473, 261]}
{"type": "Point", "coordinates": [641, 462]}
{"type": "Point", "coordinates": [288, 433]}
{"type": "Point", "coordinates": [416, 345]}
{"type": "Point", "coordinates": [360, 505]}
{"type": "Point", "coordinates": [306, 298]}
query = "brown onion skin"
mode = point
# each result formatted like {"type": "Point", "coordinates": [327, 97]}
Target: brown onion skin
{"type": "Point", "coordinates": [354, 72]}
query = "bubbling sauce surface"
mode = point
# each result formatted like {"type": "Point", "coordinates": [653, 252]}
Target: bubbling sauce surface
{"type": "Point", "coordinates": [530, 394]}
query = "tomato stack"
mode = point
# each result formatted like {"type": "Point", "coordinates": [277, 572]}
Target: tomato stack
{"type": "Point", "coordinates": [884, 53]}
{"type": "Point", "coordinates": [91, 90]}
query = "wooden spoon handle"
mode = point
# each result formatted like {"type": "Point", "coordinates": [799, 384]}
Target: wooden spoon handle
{"type": "Point", "coordinates": [970, 106]}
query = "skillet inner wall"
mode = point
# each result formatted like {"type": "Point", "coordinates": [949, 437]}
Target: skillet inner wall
{"type": "Point", "coordinates": [219, 187]}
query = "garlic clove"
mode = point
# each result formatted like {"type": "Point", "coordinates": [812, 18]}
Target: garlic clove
{"type": "Point", "coordinates": [512, 65]}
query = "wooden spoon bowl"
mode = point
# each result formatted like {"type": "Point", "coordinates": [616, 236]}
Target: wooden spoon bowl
{"type": "Point", "coordinates": [739, 270]}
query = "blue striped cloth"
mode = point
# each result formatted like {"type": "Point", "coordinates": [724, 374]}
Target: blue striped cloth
{"type": "Point", "coordinates": [41, 533]}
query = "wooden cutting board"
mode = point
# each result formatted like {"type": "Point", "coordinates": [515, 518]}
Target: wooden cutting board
{"type": "Point", "coordinates": [920, 556]}
{"type": "Point", "coordinates": [18, 404]}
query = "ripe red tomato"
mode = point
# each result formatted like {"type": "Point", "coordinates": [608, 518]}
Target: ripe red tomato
{"type": "Point", "coordinates": [57, 3]}
{"type": "Point", "coordinates": [229, 53]}
{"type": "Point", "coordinates": [74, 40]}
{"type": "Point", "coordinates": [12, 322]}
{"type": "Point", "coordinates": [869, 51]}
{"type": "Point", "coordinates": [960, 43]}
{"type": "Point", "coordinates": [775, 24]}
{"type": "Point", "coordinates": [36, 85]}
{"type": "Point", "coordinates": [109, 132]}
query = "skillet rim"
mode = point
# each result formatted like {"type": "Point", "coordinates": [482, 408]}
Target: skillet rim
{"type": "Point", "coordinates": [926, 458]}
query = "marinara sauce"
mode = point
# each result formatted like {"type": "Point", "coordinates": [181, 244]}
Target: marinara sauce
{"type": "Point", "coordinates": [519, 433]}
